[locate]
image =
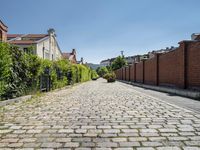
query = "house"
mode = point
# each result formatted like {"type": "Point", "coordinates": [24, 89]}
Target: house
{"type": "Point", "coordinates": [3, 32]}
{"type": "Point", "coordinates": [129, 60]}
{"type": "Point", "coordinates": [80, 61]}
{"type": "Point", "coordinates": [106, 62]}
{"type": "Point", "coordinates": [44, 45]}
{"type": "Point", "coordinates": [195, 36]}
{"type": "Point", "coordinates": [70, 56]}
{"type": "Point", "coordinates": [161, 51]}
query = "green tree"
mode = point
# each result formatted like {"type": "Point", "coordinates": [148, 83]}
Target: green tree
{"type": "Point", "coordinates": [118, 63]}
{"type": "Point", "coordinates": [102, 71]}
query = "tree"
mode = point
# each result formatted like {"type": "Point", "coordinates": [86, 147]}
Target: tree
{"type": "Point", "coordinates": [102, 71]}
{"type": "Point", "coordinates": [119, 62]}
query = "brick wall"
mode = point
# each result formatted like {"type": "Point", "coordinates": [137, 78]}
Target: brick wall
{"type": "Point", "coordinates": [139, 72]}
{"type": "Point", "coordinates": [179, 68]}
{"type": "Point", "coordinates": [193, 65]}
{"type": "Point", "coordinates": [150, 68]}
{"type": "Point", "coordinates": [132, 73]}
{"type": "Point", "coordinates": [127, 73]}
{"type": "Point", "coordinates": [124, 73]}
{"type": "Point", "coordinates": [171, 67]}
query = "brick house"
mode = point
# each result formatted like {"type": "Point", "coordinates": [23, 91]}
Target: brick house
{"type": "Point", "coordinates": [70, 56]}
{"type": "Point", "coordinates": [45, 45]}
{"type": "Point", "coordinates": [3, 32]}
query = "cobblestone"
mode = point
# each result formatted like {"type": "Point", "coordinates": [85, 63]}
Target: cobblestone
{"type": "Point", "coordinates": [98, 116]}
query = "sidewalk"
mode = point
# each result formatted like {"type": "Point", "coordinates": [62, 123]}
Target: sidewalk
{"type": "Point", "coordinates": [187, 103]}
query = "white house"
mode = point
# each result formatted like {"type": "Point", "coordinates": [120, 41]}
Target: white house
{"type": "Point", "coordinates": [45, 45]}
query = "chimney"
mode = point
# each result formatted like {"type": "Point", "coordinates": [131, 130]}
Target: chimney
{"type": "Point", "coordinates": [74, 51]}
{"type": "Point", "coordinates": [81, 60]}
{"type": "Point", "coordinates": [51, 31]}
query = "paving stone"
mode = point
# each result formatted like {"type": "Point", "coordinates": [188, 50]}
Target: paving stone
{"type": "Point", "coordinates": [98, 116]}
{"type": "Point", "coordinates": [168, 148]}
{"type": "Point", "coordinates": [152, 144]}
{"type": "Point", "coordinates": [137, 139]}
{"type": "Point", "coordinates": [145, 148]}
{"type": "Point", "coordinates": [107, 144]}
{"type": "Point", "coordinates": [191, 148]}
{"type": "Point", "coordinates": [71, 144]}
{"type": "Point", "coordinates": [111, 131]}
{"type": "Point", "coordinates": [129, 144]}
{"type": "Point", "coordinates": [119, 139]}
{"type": "Point", "coordinates": [51, 145]}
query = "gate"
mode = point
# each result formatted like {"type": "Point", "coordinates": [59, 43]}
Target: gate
{"type": "Point", "coordinates": [45, 81]}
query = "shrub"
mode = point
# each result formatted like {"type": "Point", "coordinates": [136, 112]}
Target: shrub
{"type": "Point", "coordinates": [5, 65]}
{"type": "Point", "coordinates": [102, 71]}
{"type": "Point", "coordinates": [20, 72]}
{"type": "Point", "coordinates": [94, 75]}
{"type": "Point", "coordinates": [110, 77]}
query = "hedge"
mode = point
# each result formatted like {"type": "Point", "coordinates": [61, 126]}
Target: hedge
{"type": "Point", "coordinates": [20, 72]}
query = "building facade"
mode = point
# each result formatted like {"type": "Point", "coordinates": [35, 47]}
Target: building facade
{"type": "Point", "coordinates": [3, 32]}
{"type": "Point", "coordinates": [70, 56]}
{"type": "Point", "coordinates": [44, 45]}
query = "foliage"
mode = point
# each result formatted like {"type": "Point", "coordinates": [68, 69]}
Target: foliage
{"type": "Point", "coordinates": [101, 71]}
{"type": "Point", "coordinates": [20, 72]}
{"type": "Point", "coordinates": [119, 62]}
{"type": "Point", "coordinates": [94, 75]}
{"type": "Point", "coordinates": [5, 65]}
{"type": "Point", "coordinates": [110, 77]}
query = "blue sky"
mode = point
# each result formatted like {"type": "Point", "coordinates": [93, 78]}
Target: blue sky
{"type": "Point", "coordinates": [100, 29]}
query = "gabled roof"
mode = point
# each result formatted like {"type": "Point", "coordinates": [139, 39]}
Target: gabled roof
{"type": "Point", "coordinates": [66, 55]}
{"type": "Point", "coordinates": [3, 26]}
{"type": "Point", "coordinates": [26, 38]}
{"type": "Point", "coordinates": [70, 56]}
{"type": "Point", "coordinates": [13, 35]}
{"type": "Point", "coordinates": [22, 42]}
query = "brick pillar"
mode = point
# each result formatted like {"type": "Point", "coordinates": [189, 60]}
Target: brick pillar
{"type": "Point", "coordinates": [129, 73]}
{"type": "Point", "coordinates": [183, 65]}
{"type": "Point", "coordinates": [143, 71]}
{"type": "Point", "coordinates": [134, 76]}
{"type": "Point", "coordinates": [185, 76]}
{"type": "Point", "coordinates": [157, 69]}
{"type": "Point", "coordinates": [125, 73]}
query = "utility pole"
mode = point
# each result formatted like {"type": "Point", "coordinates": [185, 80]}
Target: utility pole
{"type": "Point", "coordinates": [122, 53]}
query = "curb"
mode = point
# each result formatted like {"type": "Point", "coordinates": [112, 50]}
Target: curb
{"type": "Point", "coordinates": [180, 92]}
{"type": "Point", "coordinates": [14, 100]}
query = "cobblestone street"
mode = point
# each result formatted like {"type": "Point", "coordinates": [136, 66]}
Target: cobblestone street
{"type": "Point", "coordinates": [98, 115]}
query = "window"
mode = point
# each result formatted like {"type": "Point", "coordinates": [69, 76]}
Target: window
{"type": "Point", "coordinates": [1, 36]}
{"type": "Point", "coordinates": [25, 50]}
{"type": "Point", "coordinates": [46, 55]}
{"type": "Point", "coordinates": [43, 52]}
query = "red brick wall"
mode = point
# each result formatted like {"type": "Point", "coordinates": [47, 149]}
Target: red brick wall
{"type": "Point", "coordinates": [117, 73]}
{"type": "Point", "coordinates": [127, 73]}
{"type": "Point", "coordinates": [171, 68]}
{"type": "Point", "coordinates": [132, 73]}
{"type": "Point", "coordinates": [193, 65]}
{"type": "Point", "coordinates": [178, 68]}
{"type": "Point", "coordinates": [124, 74]}
{"type": "Point", "coordinates": [150, 71]}
{"type": "Point", "coordinates": [139, 72]}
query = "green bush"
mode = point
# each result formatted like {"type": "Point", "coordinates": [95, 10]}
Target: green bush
{"type": "Point", "coordinates": [20, 72]}
{"type": "Point", "coordinates": [5, 68]}
{"type": "Point", "coordinates": [94, 75]}
{"type": "Point", "coordinates": [102, 71]}
{"type": "Point", "coordinates": [110, 77]}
